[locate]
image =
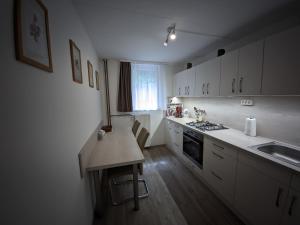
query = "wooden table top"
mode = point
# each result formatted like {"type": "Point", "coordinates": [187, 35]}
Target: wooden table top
{"type": "Point", "coordinates": [117, 148]}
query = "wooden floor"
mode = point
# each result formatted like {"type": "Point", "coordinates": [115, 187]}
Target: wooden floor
{"type": "Point", "coordinates": [177, 197]}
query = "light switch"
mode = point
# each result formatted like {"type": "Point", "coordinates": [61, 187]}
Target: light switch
{"type": "Point", "coordinates": [247, 102]}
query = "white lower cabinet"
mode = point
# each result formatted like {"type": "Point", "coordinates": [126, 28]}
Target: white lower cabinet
{"type": "Point", "coordinates": [261, 190]}
{"type": "Point", "coordinates": [174, 136]}
{"type": "Point", "coordinates": [219, 167]}
{"type": "Point", "coordinates": [291, 214]}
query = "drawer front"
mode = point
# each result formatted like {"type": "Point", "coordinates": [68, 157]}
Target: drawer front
{"type": "Point", "coordinates": [277, 172]}
{"type": "Point", "coordinates": [220, 147]}
{"type": "Point", "coordinates": [220, 173]}
{"type": "Point", "coordinates": [220, 168]}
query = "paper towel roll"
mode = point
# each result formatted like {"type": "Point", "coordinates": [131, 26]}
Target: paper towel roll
{"type": "Point", "coordinates": [250, 127]}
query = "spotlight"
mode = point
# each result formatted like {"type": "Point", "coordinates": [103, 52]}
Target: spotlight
{"type": "Point", "coordinates": [173, 35]}
{"type": "Point", "coordinates": [165, 44]}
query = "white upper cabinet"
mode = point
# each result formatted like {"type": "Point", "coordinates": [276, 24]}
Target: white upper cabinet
{"type": "Point", "coordinates": [229, 73]}
{"type": "Point", "coordinates": [190, 81]}
{"type": "Point", "coordinates": [241, 71]}
{"type": "Point", "coordinates": [185, 83]}
{"type": "Point", "coordinates": [179, 84]}
{"type": "Point", "coordinates": [281, 63]}
{"type": "Point", "coordinates": [250, 69]}
{"type": "Point", "coordinates": [208, 78]}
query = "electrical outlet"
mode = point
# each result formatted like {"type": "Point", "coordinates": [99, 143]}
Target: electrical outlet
{"type": "Point", "coordinates": [247, 102]}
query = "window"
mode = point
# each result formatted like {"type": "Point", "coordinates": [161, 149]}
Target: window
{"type": "Point", "coordinates": [147, 87]}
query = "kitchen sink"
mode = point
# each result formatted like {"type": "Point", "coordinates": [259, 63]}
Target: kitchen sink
{"type": "Point", "coordinates": [279, 151]}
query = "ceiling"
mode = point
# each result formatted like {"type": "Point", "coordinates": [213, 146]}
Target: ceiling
{"type": "Point", "coordinates": [136, 29]}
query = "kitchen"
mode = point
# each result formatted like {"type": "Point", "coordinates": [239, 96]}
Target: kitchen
{"type": "Point", "coordinates": [159, 112]}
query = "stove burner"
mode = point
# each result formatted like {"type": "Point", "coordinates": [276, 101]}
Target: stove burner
{"type": "Point", "coordinates": [206, 126]}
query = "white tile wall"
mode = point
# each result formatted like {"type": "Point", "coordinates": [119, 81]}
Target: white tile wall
{"type": "Point", "coordinates": [277, 117]}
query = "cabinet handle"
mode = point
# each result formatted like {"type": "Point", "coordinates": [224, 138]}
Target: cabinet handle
{"type": "Point", "coordinates": [241, 84]}
{"type": "Point", "coordinates": [214, 174]}
{"type": "Point", "coordinates": [207, 88]}
{"type": "Point", "coordinates": [203, 86]}
{"type": "Point", "coordinates": [217, 155]}
{"type": "Point", "coordinates": [188, 90]}
{"type": "Point", "coordinates": [291, 205]}
{"type": "Point", "coordinates": [218, 146]}
{"type": "Point", "coordinates": [278, 197]}
{"type": "Point", "coordinates": [233, 85]}
{"type": "Point", "coordinates": [179, 91]}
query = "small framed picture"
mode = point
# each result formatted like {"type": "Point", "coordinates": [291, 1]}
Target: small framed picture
{"type": "Point", "coordinates": [97, 80]}
{"type": "Point", "coordinates": [90, 74]}
{"type": "Point", "coordinates": [32, 37]}
{"type": "Point", "coordinates": [75, 62]}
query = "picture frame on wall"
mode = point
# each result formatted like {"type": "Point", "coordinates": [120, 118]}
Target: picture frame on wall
{"type": "Point", "coordinates": [32, 36]}
{"type": "Point", "coordinates": [90, 74]}
{"type": "Point", "coordinates": [75, 62]}
{"type": "Point", "coordinates": [97, 80]}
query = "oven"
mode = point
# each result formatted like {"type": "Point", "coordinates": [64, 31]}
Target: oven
{"type": "Point", "coordinates": [193, 146]}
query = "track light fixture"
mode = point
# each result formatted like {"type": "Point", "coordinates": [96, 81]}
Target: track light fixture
{"type": "Point", "coordinates": [171, 34]}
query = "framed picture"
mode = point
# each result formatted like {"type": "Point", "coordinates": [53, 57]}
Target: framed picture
{"type": "Point", "coordinates": [75, 62]}
{"type": "Point", "coordinates": [90, 74]}
{"type": "Point", "coordinates": [32, 36]}
{"type": "Point", "coordinates": [97, 80]}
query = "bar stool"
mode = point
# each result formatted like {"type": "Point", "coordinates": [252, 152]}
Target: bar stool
{"type": "Point", "coordinates": [114, 173]}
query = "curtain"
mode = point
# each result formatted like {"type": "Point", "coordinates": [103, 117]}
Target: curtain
{"type": "Point", "coordinates": [124, 95]}
{"type": "Point", "coordinates": [148, 87]}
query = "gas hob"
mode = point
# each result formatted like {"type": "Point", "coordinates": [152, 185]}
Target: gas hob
{"type": "Point", "coordinates": [206, 126]}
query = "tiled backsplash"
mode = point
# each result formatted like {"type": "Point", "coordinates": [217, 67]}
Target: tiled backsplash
{"type": "Point", "coordinates": [277, 117]}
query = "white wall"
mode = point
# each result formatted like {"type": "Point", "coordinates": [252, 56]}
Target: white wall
{"type": "Point", "coordinates": [277, 117]}
{"type": "Point", "coordinates": [45, 120]}
{"type": "Point", "coordinates": [156, 124]}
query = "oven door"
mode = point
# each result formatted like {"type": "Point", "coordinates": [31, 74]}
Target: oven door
{"type": "Point", "coordinates": [193, 149]}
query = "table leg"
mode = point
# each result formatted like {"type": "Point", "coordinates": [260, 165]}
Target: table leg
{"type": "Point", "coordinates": [100, 192]}
{"type": "Point", "coordinates": [97, 185]}
{"type": "Point", "coordinates": [135, 187]}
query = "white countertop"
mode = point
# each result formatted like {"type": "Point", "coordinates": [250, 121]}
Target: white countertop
{"type": "Point", "coordinates": [238, 139]}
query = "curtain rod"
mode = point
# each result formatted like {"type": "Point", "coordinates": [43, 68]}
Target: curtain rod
{"type": "Point", "coordinates": [143, 62]}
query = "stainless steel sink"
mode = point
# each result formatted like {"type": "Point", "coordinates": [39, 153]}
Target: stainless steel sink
{"type": "Point", "coordinates": [279, 151]}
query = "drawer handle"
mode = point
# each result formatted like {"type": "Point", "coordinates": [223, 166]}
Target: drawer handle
{"type": "Point", "coordinates": [176, 145]}
{"type": "Point", "coordinates": [215, 175]}
{"type": "Point", "coordinates": [291, 205]}
{"type": "Point", "coordinates": [278, 197]}
{"type": "Point", "coordinates": [218, 146]}
{"type": "Point", "coordinates": [217, 155]}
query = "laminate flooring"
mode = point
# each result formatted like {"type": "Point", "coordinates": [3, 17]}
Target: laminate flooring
{"type": "Point", "coordinates": [177, 197]}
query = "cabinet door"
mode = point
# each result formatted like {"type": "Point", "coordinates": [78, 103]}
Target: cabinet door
{"type": "Point", "coordinates": [259, 198]}
{"type": "Point", "coordinates": [200, 81]}
{"type": "Point", "coordinates": [178, 137]}
{"type": "Point", "coordinates": [250, 69]}
{"type": "Point", "coordinates": [180, 84]}
{"type": "Point", "coordinates": [208, 78]}
{"type": "Point", "coordinates": [169, 127]}
{"type": "Point", "coordinates": [229, 73]}
{"type": "Point", "coordinates": [291, 214]}
{"type": "Point", "coordinates": [212, 77]}
{"type": "Point", "coordinates": [190, 81]}
{"type": "Point", "coordinates": [281, 70]}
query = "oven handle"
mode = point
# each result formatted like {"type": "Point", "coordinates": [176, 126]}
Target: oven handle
{"type": "Point", "coordinates": [191, 139]}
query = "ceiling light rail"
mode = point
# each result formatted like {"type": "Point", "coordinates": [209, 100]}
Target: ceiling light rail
{"type": "Point", "coordinates": [171, 34]}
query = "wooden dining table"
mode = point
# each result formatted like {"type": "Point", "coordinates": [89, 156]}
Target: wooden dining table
{"type": "Point", "coordinates": [116, 149]}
